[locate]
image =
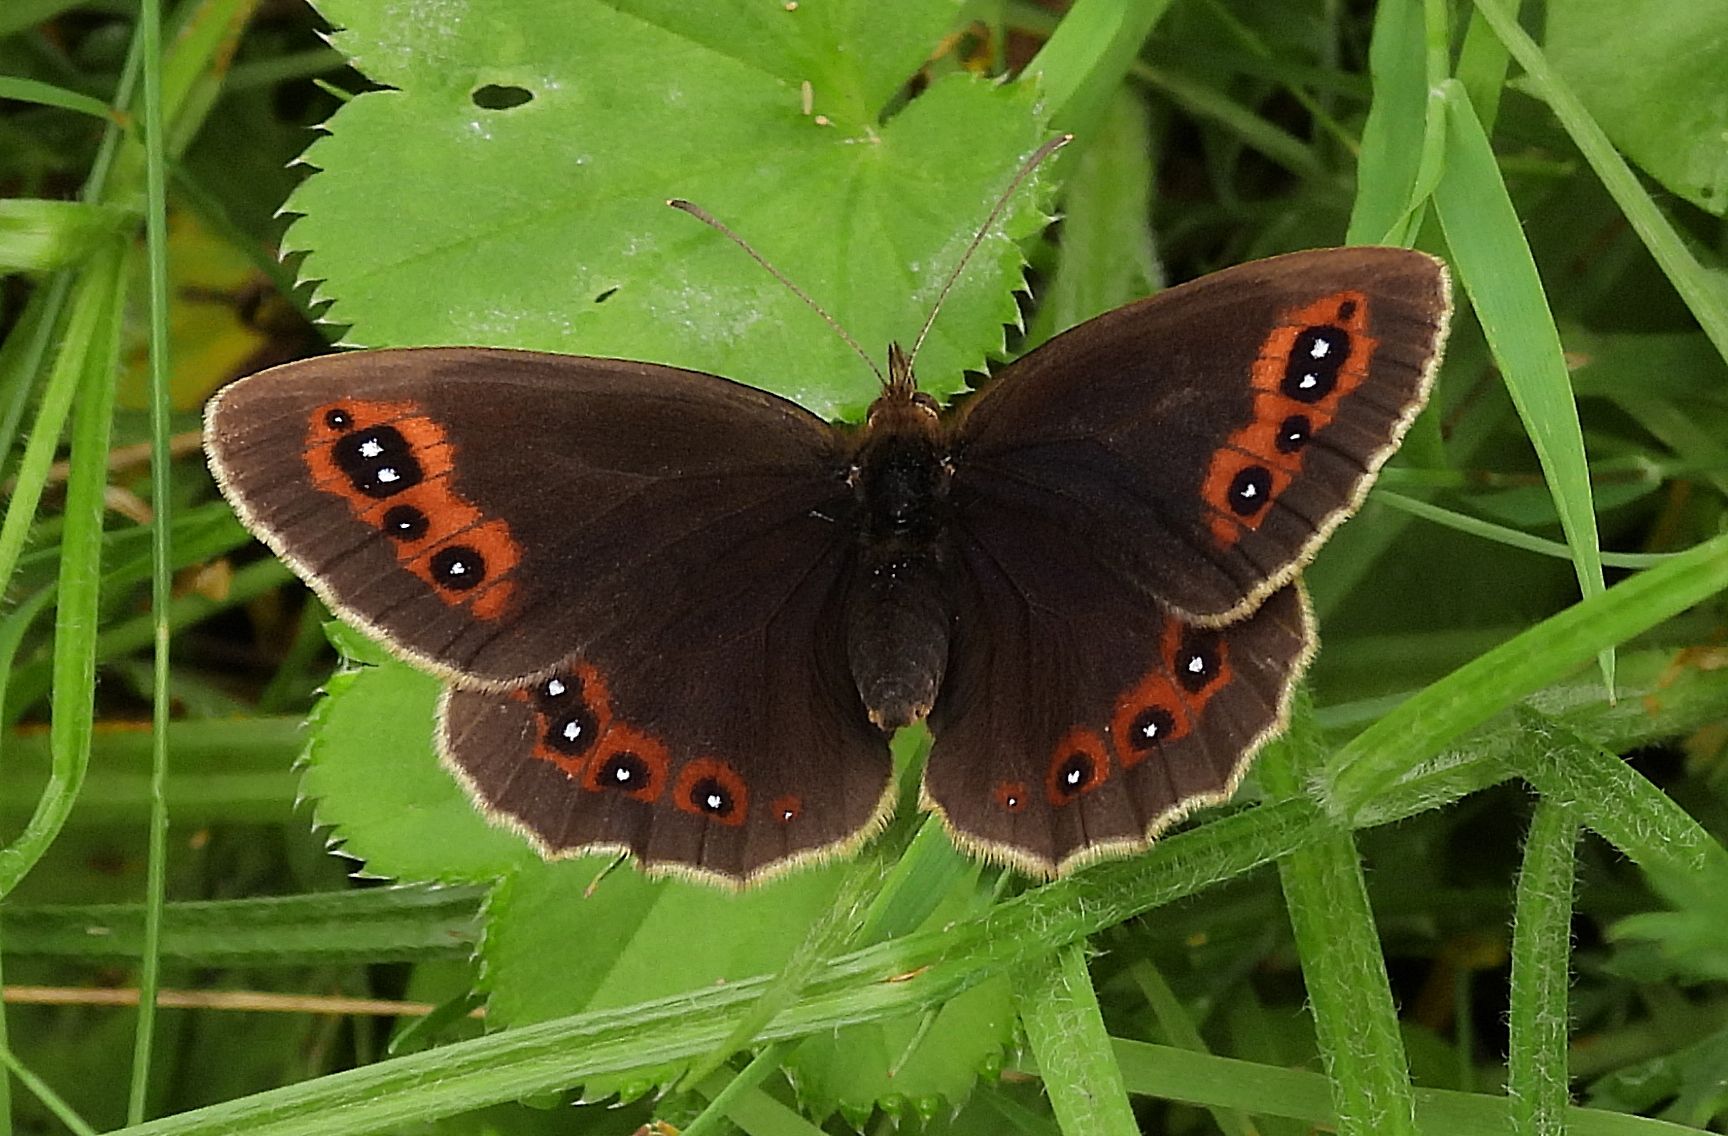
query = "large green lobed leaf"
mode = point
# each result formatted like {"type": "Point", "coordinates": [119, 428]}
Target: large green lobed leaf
{"type": "Point", "coordinates": [544, 224]}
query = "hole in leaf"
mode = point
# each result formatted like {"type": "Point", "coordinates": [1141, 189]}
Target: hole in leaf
{"type": "Point", "coordinates": [496, 97]}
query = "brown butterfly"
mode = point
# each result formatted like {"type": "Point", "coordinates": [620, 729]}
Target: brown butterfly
{"type": "Point", "coordinates": [680, 617]}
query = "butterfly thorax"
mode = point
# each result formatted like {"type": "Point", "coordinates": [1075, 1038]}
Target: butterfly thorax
{"type": "Point", "coordinates": [897, 628]}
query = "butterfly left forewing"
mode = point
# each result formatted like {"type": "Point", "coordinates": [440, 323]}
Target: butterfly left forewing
{"type": "Point", "coordinates": [1212, 436]}
{"type": "Point", "coordinates": [487, 511]}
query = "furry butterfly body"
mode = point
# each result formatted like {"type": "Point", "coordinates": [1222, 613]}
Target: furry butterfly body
{"type": "Point", "coordinates": [681, 617]}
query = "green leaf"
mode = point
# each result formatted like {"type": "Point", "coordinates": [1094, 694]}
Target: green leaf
{"type": "Point", "coordinates": [543, 224]}
{"type": "Point", "coordinates": [377, 782]}
{"type": "Point", "coordinates": [907, 1059]}
{"type": "Point", "coordinates": [1655, 76]}
{"type": "Point", "coordinates": [634, 935]}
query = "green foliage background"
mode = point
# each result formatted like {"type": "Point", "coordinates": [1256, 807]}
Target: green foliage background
{"type": "Point", "coordinates": [1471, 891]}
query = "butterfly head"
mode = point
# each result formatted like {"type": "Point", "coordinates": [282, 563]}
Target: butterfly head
{"type": "Point", "coordinates": [901, 403]}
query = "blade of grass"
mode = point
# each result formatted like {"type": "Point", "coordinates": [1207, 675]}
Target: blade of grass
{"type": "Point", "coordinates": [1170, 1073]}
{"type": "Point", "coordinates": [755, 1111]}
{"type": "Point", "coordinates": [1536, 1078]}
{"type": "Point", "coordinates": [400, 923]}
{"type": "Point", "coordinates": [1179, 1030]}
{"type": "Point", "coordinates": [1498, 271]}
{"type": "Point", "coordinates": [1203, 100]}
{"type": "Point", "coordinates": [92, 301]}
{"type": "Point", "coordinates": [1482, 64]}
{"type": "Point", "coordinates": [31, 680]}
{"type": "Point", "coordinates": [1080, 67]}
{"type": "Point", "coordinates": [79, 588]}
{"type": "Point", "coordinates": [161, 576]}
{"type": "Point", "coordinates": [1349, 995]}
{"type": "Point", "coordinates": [827, 936]}
{"type": "Point", "coordinates": [47, 94]}
{"type": "Point", "coordinates": [21, 358]}
{"type": "Point", "coordinates": [1511, 537]}
{"type": "Point", "coordinates": [727, 1091]}
{"type": "Point", "coordinates": [1386, 174]}
{"type": "Point", "coordinates": [1059, 1009]}
{"type": "Point", "coordinates": [1702, 292]}
{"type": "Point", "coordinates": [45, 236]}
{"type": "Point", "coordinates": [51, 1100]}
{"type": "Point", "coordinates": [1440, 714]}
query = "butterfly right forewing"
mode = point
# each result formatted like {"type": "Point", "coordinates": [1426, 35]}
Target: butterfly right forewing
{"type": "Point", "coordinates": [1210, 437]}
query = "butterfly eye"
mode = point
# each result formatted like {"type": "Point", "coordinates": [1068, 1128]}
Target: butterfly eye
{"type": "Point", "coordinates": [629, 762]}
{"type": "Point", "coordinates": [1074, 773]}
{"type": "Point", "coordinates": [1080, 765]}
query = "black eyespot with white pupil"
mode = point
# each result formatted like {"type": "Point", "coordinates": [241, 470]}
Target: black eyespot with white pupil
{"type": "Point", "coordinates": [1075, 773]}
{"type": "Point", "coordinates": [625, 771]}
{"type": "Point", "coordinates": [1311, 373]}
{"type": "Point", "coordinates": [458, 567]}
{"type": "Point", "coordinates": [572, 731]}
{"type": "Point", "coordinates": [1293, 433]}
{"type": "Point", "coordinates": [338, 419]}
{"type": "Point", "coordinates": [1197, 663]}
{"type": "Point", "coordinates": [1151, 727]}
{"type": "Point", "coordinates": [379, 462]}
{"type": "Point", "coordinates": [405, 522]}
{"type": "Point", "coordinates": [709, 796]}
{"type": "Point", "coordinates": [1250, 490]}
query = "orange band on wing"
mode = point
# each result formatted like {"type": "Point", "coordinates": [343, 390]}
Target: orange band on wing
{"type": "Point", "coordinates": [1314, 359]}
{"type": "Point", "coordinates": [394, 466]}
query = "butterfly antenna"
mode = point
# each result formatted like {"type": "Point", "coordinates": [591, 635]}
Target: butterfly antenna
{"type": "Point", "coordinates": [1025, 171]}
{"type": "Point", "coordinates": [714, 223]}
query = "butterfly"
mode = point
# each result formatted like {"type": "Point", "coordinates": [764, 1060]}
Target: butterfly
{"type": "Point", "coordinates": [681, 617]}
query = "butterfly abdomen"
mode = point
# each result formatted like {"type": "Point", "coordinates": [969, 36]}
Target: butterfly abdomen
{"type": "Point", "coordinates": [898, 617]}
